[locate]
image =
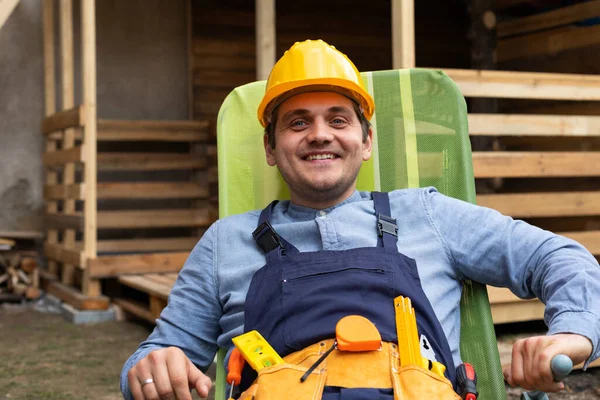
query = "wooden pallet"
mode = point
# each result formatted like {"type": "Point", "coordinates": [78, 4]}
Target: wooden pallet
{"type": "Point", "coordinates": [106, 211]}
{"type": "Point", "coordinates": [537, 185]}
{"type": "Point", "coordinates": [157, 286]}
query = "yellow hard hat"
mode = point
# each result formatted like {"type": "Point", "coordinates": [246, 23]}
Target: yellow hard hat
{"type": "Point", "coordinates": [313, 65]}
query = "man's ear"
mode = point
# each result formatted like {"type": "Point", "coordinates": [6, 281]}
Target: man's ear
{"type": "Point", "coordinates": [269, 151]}
{"type": "Point", "coordinates": [368, 145]}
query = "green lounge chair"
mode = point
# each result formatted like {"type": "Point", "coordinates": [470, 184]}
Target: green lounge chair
{"type": "Point", "coordinates": [421, 138]}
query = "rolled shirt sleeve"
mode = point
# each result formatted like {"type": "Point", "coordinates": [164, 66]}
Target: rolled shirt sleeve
{"type": "Point", "coordinates": [494, 249]}
{"type": "Point", "coordinates": [191, 319]}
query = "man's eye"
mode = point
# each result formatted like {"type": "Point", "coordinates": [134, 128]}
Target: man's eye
{"type": "Point", "coordinates": [338, 121]}
{"type": "Point", "coordinates": [298, 123]}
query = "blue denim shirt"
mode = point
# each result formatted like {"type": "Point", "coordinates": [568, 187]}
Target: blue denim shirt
{"type": "Point", "coordinates": [450, 240]}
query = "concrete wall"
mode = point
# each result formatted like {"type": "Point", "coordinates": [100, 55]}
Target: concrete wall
{"type": "Point", "coordinates": [142, 74]}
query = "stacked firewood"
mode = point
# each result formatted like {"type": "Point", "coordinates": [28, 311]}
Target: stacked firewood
{"type": "Point", "coordinates": [19, 276]}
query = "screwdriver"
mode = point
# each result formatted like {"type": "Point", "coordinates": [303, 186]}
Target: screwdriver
{"type": "Point", "coordinates": [234, 367]}
{"type": "Point", "coordinates": [466, 380]}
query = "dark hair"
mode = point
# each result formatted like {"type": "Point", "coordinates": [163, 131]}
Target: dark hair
{"type": "Point", "coordinates": [364, 124]}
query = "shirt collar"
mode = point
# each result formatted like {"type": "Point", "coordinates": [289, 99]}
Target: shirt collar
{"type": "Point", "coordinates": [296, 211]}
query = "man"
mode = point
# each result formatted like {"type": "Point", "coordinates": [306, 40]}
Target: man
{"type": "Point", "coordinates": [292, 286]}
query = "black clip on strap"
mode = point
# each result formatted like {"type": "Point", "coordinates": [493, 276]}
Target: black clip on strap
{"type": "Point", "coordinates": [386, 224]}
{"type": "Point", "coordinates": [266, 237]}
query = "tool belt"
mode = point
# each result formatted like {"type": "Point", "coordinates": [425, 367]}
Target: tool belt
{"type": "Point", "coordinates": [369, 369]}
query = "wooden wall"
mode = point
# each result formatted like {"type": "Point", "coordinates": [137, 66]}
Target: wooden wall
{"type": "Point", "coordinates": [555, 37]}
{"type": "Point", "coordinates": [222, 42]}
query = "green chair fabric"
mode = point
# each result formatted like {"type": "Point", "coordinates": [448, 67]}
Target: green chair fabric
{"type": "Point", "coordinates": [420, 138]}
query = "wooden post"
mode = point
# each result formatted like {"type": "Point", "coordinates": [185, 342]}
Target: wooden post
{"type": "Point", "coordinates": [88, 61]}
{"type": "Point", "coordinates": [265, 38]}
{"type": "Point", "coordinates": [50, 102]}
{"type": "Point", "coordinates": [482, 33]}
{"type": "Point", "coordinates": [190, 59]}
{"type": "Point", "coordinates": [68, 101]}
{"type": "Point", "coordinates": [403, 34]}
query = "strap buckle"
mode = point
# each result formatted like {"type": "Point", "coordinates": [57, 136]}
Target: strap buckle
{"type": "Point", "coordinates": [386, 224]}
{"type": "Point", "coordinates": [266, 237]}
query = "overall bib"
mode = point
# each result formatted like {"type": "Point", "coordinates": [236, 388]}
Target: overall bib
{"type": "Point", "coordinates": [296, 300]}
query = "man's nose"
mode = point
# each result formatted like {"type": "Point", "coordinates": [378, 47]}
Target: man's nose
{"type": "Point", "coordinates": [321, 132]}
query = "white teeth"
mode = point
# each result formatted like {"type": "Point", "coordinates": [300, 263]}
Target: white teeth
{"type": "Point", "coordinates": [319, 157]}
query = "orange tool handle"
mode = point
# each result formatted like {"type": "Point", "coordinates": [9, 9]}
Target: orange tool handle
{"type": "Point", "coordinates": [234, 367]}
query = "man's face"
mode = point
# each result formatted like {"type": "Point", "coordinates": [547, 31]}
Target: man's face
{"type": "Point", "coordinates": [319, 148]}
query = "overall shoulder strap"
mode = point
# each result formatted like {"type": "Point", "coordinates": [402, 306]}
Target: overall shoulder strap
{"type": "Point", "coordinates": [387, 229]}
{"type": "Point", "coordinates": [267, 238]}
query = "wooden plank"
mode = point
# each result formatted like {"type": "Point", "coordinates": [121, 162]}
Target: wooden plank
{"type": "Point", "coordinates": [63, 157]}
{"type": "Point", "coordinates": [265, 37]}
{"type": "Point", "coordinates": [222, 79]}
{"type": "Point", "coordinates": [22, 234]}
{"type": "Point", "coordinates": [524, 310]}
{"type": "Point", "coordinates": [105, 266]}
{"type": "Point", "coordinates": [88, 62]}
{"type": "Point", "coordinates": [139, 245]}
{"type": "Point", "coordinates": [49, 72]}
{"type": "Point", "coordinates": [403, 34]}
{"type": "Point", "coordinates": [61, 254]}
{"type": "Point", "coordinates": [61, 221]}
{"type": "Point", "coordinates": [213, 47]}
{"type": "Point", "coordinates": [76, 299]}
{"type": "Point", "coordinates": [550, 19]}
{"type": "Point", "coordinates": [535, 164]}
{"type": "Point", "coordinates": [154, 190]}
{"type": "Point", "coordinates": [526, 85]}
{"type": "Point", "coordinates": [548, 42]}
{"type": "Point", "coordinates": [153, 135]}
{"type": "Point", "coordinates": [502, 4]}
{"type": "Point", "coordinates": [135, 308]}
{"type": "Point", "coordinates": [50, 109]}
{"type": "Point", "coordinates": [589, 239]}
{"type": "Point", "coordinates": [223, 62]}
{"type": "Point", "coordinates": [506, 307]}
{"type": "Point", "coordinates": [146, 125]}
{"type": "Point", "coordinates": [156, 306]}
{"type": "Point", "coordinates": [120, 161]}
{"type": "Point", "coordinates": [153, 219]}
{"type": "Point", "coordinates": [189, 35]}
{"type": "Point", "coordinates": [533, 125]}
{"type": "Point", "coordinates": [6, 8]}
{"type": "Point", "coordinates": [73, 118]}
{"type": "Point", "coordinates": [167, 279]}
{"type": "Point", "coordinates": [60, 192]}
{"type": "Point", "coordinates": [550, 204]}
{"type": "Point", "coordinates": [68, 139]}
{"type": "Point", "coordinates": [143, 284]}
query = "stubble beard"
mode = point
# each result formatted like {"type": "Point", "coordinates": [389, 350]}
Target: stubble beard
{"type": "Point", "coordinates": [323, 191]}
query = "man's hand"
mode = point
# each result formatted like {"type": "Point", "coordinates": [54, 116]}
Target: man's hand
{"type": "Point", "coordinates": [173, 376]}
{"type": "Point", "coordinates": [531, 357]}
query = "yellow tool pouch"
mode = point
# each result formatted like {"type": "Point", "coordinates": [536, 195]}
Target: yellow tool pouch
{"type": "Point", "coordinates": [376, 369]}
{"type": "Point", "coordinates": [282, 381]}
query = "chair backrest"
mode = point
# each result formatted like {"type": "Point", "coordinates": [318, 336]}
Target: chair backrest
{"type": "Point", "coordinates": [420, 138]}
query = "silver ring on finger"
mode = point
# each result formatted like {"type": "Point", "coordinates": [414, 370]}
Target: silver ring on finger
{"type": "Point", "coordinates": [147, 381]}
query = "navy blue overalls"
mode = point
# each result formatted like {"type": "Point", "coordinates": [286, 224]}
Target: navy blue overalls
{"type": "Point", "coordinates": [296, 299]}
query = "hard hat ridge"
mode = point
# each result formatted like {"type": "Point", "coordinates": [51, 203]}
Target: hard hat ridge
{"type": "Point", "coordinates": [313, 65]}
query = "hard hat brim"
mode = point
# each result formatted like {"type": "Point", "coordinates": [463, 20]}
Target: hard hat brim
{"type": "Point", "coordinates": [279, 93]}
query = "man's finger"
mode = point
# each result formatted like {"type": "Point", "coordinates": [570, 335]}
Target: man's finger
{"type": "Point", "coordinates": [178, 374]}
{"type": "Point", "coordinates": [517, 372]}
{"type": "Point", "coordinates": [506, 371]}
{"type": "Point", "coordinates": [198, 380]}
{"type": "Point", "coordinates": [134, 385]}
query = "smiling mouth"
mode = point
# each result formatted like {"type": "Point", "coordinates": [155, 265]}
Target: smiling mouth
{"type": "Point", "coordinates": [320, 157]}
